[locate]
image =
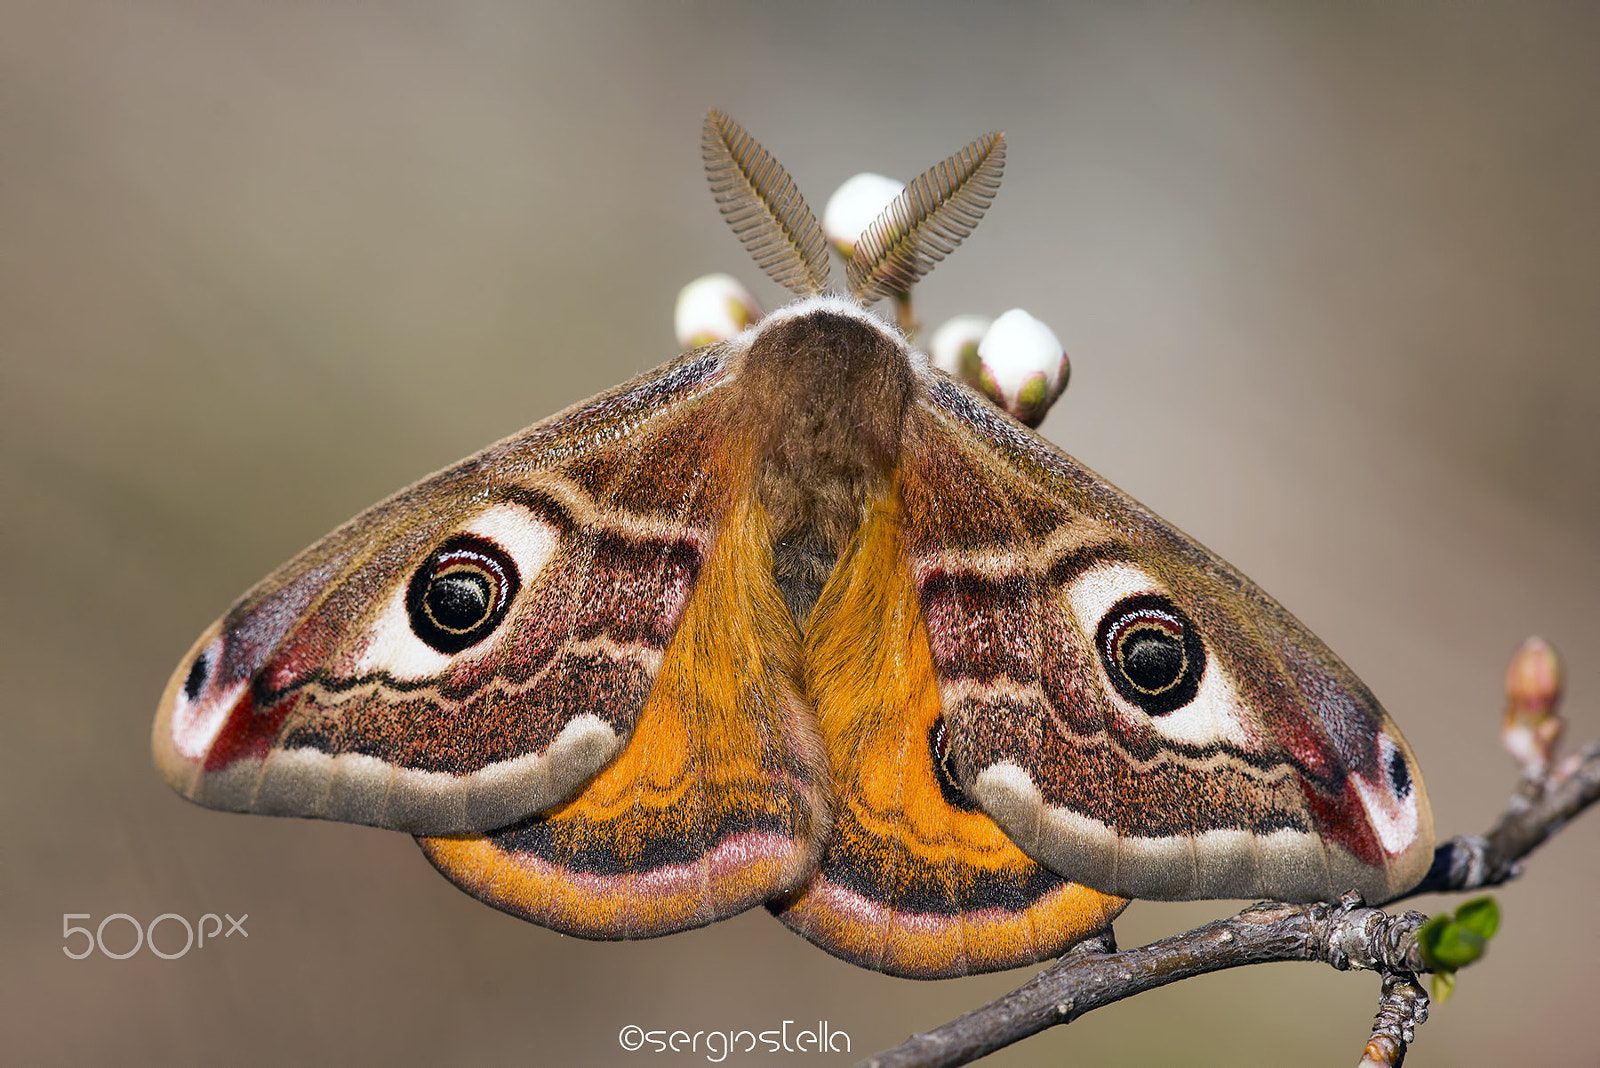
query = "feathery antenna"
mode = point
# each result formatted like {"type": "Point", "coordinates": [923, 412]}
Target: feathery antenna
{"type": "Point", "coordinates": [930, 217]}
{"type": "Point", "coordinates": [759, 200]}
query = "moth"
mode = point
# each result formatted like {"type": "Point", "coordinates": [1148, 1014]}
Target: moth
{"type": "Point", "coordinates": [798, 620]}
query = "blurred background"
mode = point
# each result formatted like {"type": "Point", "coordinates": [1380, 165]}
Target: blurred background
{"type": "Point", "coordinates": [1329, 277]}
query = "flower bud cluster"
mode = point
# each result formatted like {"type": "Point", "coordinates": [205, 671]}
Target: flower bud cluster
{"type": "Point", "coordinates": [1014, 360]}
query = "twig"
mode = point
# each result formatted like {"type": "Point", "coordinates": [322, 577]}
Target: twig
{"type": "Point", "coordinates": [1402, 1007]}
{"type": "Point", "coordinates": [1344, 935]}
{"type": "Point", "coordinates": [1538, 810]}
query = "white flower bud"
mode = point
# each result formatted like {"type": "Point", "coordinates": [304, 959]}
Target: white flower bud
{"type": "Point", "coordinates": [714, 307]}
{"type": "Point", "coordinates": [954, 346]}
{"type": "Point", "coordinates": [1021, 366]}
{"type": "Point", "coordinates": [854, 205]}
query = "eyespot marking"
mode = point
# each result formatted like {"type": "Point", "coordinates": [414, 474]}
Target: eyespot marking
{"type": "Point", "coordinates": [461, 592]}
{"type": "Point", "coordinates": [1151, 652]}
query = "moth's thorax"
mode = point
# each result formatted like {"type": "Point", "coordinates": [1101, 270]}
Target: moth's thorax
{"type": "Point", "coordinates": [828, 385]}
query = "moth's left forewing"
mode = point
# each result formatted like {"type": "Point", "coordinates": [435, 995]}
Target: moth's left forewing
{"type": "Point", "coordinates": [1134, 712]}
{"type": "Point", "coordinates": [335, 689]}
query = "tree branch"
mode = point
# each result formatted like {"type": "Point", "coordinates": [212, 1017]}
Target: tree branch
{"type": "Point", "coordinates": [1346, 935]}
{"type": "Point", "coordinates": [1403, 1006]}
{"type": "Point", "coordinates": [1538, 809]}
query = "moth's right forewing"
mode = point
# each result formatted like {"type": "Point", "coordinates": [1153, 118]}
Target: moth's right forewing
{"type": "Point", "coordinates": [1231, 754]}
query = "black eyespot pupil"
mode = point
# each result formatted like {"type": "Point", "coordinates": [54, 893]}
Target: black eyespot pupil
{"type": "Point", "coordinates": [460, 594]}
{"type": "Point", "coordinates": [459, 600]}
{"type": "Point", "coordinates": [1152, 653]}
{"type": "Point", "coordinates": [1399, 774]}
{"type": "Point", "coordinates": [196, 681]}
{"type": "Point", "coordinates": [1152, 659]}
